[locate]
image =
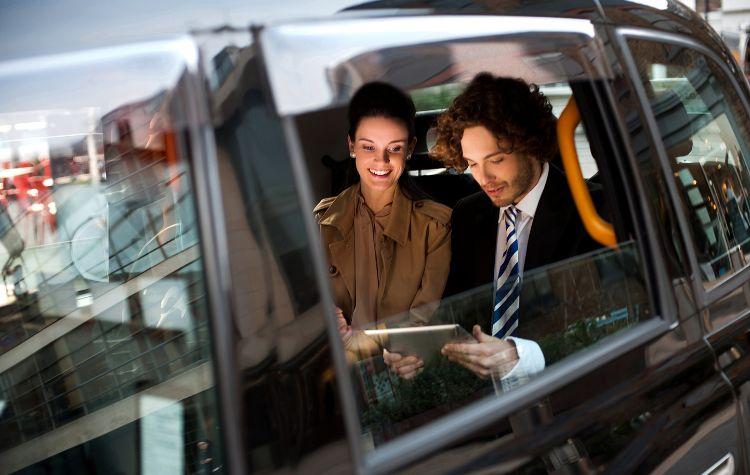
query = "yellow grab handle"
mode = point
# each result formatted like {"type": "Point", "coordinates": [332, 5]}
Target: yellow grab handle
{"type": "Point", "coordinates": [599, 229]}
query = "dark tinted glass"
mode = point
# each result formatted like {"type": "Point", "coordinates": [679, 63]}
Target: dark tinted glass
{"type": "Point", "coordinates": [705, 133]}
{"type": "Point", "coordinates": [292, 412]}
{"type": "Point", "coordinates": [105, 350]}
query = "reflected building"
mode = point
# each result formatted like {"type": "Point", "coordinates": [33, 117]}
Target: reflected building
{"type": "Point", "coordinates": [107, 299]}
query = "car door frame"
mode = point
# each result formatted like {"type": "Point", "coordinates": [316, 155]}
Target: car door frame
{"type": "Point", "coordinates": [452, 427]}
{"type": "Point", "coordinates": [720, 289]}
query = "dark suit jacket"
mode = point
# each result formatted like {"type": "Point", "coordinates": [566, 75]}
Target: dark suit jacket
{"type": "Point", "coordinates": [557, 233]}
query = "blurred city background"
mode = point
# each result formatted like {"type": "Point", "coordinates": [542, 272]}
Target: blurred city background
{"type": "Point", "coordinates": [730, 18]}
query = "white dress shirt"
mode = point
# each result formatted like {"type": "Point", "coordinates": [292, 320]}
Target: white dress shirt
{"type": "Point", "coordinates": [530, 356]}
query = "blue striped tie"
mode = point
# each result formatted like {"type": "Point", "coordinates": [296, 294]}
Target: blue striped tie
{"type": "Point", "coordinates": [508, 284]}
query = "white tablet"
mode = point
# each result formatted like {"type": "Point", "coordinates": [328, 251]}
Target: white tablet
{"type": "Point", "coordinates": [422, 341]}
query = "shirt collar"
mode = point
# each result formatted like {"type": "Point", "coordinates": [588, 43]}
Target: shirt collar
{"type": "Point", "coordinates": [530, 202]}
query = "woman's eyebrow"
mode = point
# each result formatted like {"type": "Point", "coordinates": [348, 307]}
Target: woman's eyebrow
{"type": "Point", "coordinates": [370, 140]}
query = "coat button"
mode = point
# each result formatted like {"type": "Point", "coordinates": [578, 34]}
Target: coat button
{"type": "Point", "coordinates": [418, 204]}
{"type": "Point", "coordinates": [332, 270]}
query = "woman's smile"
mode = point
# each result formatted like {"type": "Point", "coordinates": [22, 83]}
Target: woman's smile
{"type": "Point", "coordinates": [379, 172]}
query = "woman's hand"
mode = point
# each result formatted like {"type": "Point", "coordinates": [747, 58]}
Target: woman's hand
{"type": "Point", "coordinates": [345, 330]}
{"type": "Point", "coordinates": [406, 367]}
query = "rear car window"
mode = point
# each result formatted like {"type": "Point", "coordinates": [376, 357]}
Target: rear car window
{"type": "Point", "coordinates": [109, 342]}
{"type": "Point", "coordinates": [705, 135]}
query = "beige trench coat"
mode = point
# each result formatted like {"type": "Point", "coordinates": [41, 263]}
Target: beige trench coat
{"type": "Point", "coordinates": [416, 254]}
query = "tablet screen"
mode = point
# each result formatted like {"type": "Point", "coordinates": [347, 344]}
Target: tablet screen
{"type": "Point", "coordinates": [422, 341]}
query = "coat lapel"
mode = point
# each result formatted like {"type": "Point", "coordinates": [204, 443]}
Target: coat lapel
{"type": "Point", "coordinates": [485, 247]}
{"type": "Point", "coordinates": [486, 241]}
{"type": "Point", "coordinates": [342, 255]}
{"type": "Point", "coordinates": [553, 213]}
{"type": "Point", "coordinates": [339, 218]}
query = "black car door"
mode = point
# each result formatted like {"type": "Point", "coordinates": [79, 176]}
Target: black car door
{"type": "Point", "coordinates": [630, 384]}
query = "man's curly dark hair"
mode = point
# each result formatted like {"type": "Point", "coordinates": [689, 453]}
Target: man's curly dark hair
{"type": "Point", "coordinates": [514, 111]}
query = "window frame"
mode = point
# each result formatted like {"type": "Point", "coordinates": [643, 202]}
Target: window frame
{"type": "Point", "coordinates": [461, 423]}
{"type": "Point", "coordinates": [705, 292]}
{"type": "Point", "coordinates": [210, 248]}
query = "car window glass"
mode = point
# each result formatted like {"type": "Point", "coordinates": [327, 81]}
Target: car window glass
{"type": "Point", "coordinates": [104, 340]}
{"type": "Point", "coordinates": [574, 302]}
{"type": "Point", "coordinates": [705, 139]}
{"type": "Point", "coordinates": [292, 410]}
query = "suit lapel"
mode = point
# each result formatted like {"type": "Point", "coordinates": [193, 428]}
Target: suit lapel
{"type": "Point", "coordinates": [486, 242]}
{"type": "Point", "coordinates": [552, 215]}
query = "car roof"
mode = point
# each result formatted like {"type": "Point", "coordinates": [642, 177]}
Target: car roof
{"type": "Point", "coordinates": [43, 27]}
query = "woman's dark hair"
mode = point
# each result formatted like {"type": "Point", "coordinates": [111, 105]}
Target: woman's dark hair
{"type": "Point", "coordinates": [378, 99]}
{"type": "Point", "coordinates": [514, 111]}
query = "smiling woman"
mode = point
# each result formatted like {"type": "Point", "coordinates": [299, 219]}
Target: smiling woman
{"type": "Point", "coordinates": [380, 149]}
{"type": "Point", "coordinates": [397, 237]}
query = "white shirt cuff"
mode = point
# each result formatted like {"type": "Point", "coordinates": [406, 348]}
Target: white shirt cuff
{"type": "Point", "coordinates": [530, 362]}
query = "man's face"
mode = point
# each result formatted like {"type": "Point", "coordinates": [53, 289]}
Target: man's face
{"type": "Point", "coordinates": [505, 177]}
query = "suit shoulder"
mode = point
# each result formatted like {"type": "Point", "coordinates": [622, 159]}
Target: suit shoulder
{"type": "Point", "coordinates": [471, 202]}
{"type": "Point", "coordinates": [322, 207]}
{"type": "Point", "coordinates": [434, 210]}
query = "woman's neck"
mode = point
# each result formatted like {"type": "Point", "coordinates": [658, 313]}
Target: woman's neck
{"type": "Point", "coordinates": [376, 200]}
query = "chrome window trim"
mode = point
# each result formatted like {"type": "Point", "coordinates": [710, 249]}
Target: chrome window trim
{"type": "Point", "coordinates": [304, 52]}
{"type": "Point", "coordinates": [182, 46]}
{"type": "Point", "coordinates": [213, 242]}
{"type": "Point", "coordinates": [343, 375]}
{"type": "Point", "coordinates": [724, 466]}
{"type": "Point", "coordinates": [660, 283]}
{"type": "Point", "coordinates": [721, 287]}
{"type": "Point", "coordinates": [735, 327]}
{"type": "Point", "coordinates": [305, 199]}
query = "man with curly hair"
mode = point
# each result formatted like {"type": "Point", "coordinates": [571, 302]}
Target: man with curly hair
{"type": "Point", "coordinates": [504, 132]}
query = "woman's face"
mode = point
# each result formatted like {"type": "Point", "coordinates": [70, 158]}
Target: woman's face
{"type": "Point", "coordinates": [380, 147]}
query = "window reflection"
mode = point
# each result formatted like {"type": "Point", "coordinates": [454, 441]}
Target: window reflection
{"type": "Point", "coordinates": [289, 391]}
{"type": "Point", "coordinates": [102, 301]}
{"type": "Point", "coordinates": [706, 145]}
{"type": "Point", "coordinates": [574, 304]}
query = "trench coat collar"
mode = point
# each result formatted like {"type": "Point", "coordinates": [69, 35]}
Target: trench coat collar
{"type": "Point", "coordinates": [340, 214]}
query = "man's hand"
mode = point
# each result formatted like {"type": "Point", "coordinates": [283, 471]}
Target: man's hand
{"type": "Point", "coordinates": [345, 330]}
{"type": "Point", "coordinates": [406, 367]}
{"type": "Point", "coordinates": [489, 356]}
